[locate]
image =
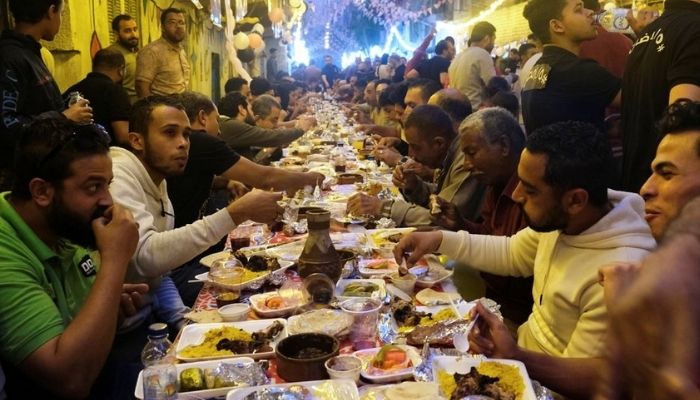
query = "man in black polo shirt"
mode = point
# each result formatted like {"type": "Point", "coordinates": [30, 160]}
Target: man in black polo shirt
{"type": "Point", "coordinates": [664, 66]}
{"type": "Point", "coordinates": [436, 68]}
{"type": "Point", "coordinates": [329, 73]}
{"type": "Point", "coordinates": [108, 98]}
{"type": "Point", "coordinates": [561, 86]}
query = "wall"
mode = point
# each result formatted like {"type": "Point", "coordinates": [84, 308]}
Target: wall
{"type": "Point", "coordinates": [510, 24]}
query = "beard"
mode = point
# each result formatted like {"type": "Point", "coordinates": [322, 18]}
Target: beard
{"type": "Point", "coordinates": [554, 220]}
{"type": "Point", "coordinates": [129, 43]}
{"type": "Point", "coordinates": [71, 226]}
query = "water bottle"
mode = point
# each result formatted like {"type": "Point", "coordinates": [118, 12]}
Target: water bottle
{"type": "Point", "coordinates": [159, 374]}
{"type": "Point", "coordinates": [339, 158]}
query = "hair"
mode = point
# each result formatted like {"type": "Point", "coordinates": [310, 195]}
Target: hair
{"type": "Point", "coordinates": [538, 13]}
{"type": "Point", "coordinates": [591, 4]}
{"type": "Point", "coordinates": [682, 116]}
{"type": "Point", "coordinates": [441, 46]}
{"type": "Point", "coordinates": [168, 11]}
{"type": "Point", "coordinates": [108, 59]}
{"type": "Point", "coordinates": [450, 39]}
{"type": "Point", "coordinates": [522, 50]}
{"type": "Point", "coordinates": [142, 111]}
{"type": "Point", "coordinates": [118, 19]}
{"type": "Point", "coordinates": [431, 122]}
{"type": "Point", "coordinates": [494, 123]}
{"type": "Point", "coordinates": [457, 109]}
{"type": "Point", "coordinates": [234, 84]}
{"type": "Point", "coordinates": [194, 102]}
{"type": "Point", "coordinates": [385, 58]}
{"type": "Point", "coordinates": [283, 89]}
{"type": "Point", "coordinates": [428, 87]}
{"type": "Point", "coordinates": [505, 100]}
{"type": "Point", "coordinates": [229, 104]}
{"type": "Point", "coordinates": [378, 82]}
{"type": "Point", "coordinates": [385, 97]}
{"type": "Point", "coordinates": [259, 86]}
{"type": "Point", "coordinates": [264, 104]}
{"type": "Point", "coordinates": [480, 31]}
{"type": "Point", "coordinates": [494, 85]}
{"type": "Point", "coordinates": [47, 148]}
{"type": "Point", "coordinates": [578, 156]}
{"type": "Point", "coordinates": [398, 94]}
{"type": "Point", "coordinates": [32, 11]}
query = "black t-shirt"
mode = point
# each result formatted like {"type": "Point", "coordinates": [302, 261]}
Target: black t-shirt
{"type": "Point", "coordinates": [109, 101]}
{"type": "Point", "coordinates": [208, 156]}
{"type": "Point", "coordinates": [399, 73]}
{"type": "Point", "coordinates": [331, 72]}
{"type": "Point", "coordinates": [431, 69]}
{"type": "Point", "coordinates": [564, 87]}
{"type": "Point", "coordinates": [666, 54]}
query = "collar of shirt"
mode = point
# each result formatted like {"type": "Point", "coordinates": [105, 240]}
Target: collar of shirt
{"type": "Point", "coordinates": [24, 232]}
{"type": "Point", "coordinates": [25, 40]}
{"type": "Point", "coordinates": [510, 187]}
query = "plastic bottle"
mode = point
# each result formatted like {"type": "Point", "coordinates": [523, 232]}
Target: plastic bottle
{"type": "Point", "coordinates": [339, 158]}
{"type": "Point", "coordinates": [159, 374]}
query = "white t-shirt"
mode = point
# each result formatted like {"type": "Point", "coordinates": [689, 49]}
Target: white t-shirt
{"type": "Point", "coordinates": [469, 72]}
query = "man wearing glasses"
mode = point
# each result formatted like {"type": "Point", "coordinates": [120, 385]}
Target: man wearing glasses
{"type": "Point", "coordinates": [64, 251]}
{"type": "Point", "coordinates": [162, 67]}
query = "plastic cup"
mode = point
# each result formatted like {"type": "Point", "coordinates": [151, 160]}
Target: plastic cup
{"type": "Point", "coordinates": [365, 313]}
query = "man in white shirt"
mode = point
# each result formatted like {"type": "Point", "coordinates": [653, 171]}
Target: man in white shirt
{"type": "Point", "coordinates": [473, 67]}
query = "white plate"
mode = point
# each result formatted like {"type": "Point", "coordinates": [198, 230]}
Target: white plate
{"type": "Point", "coordinates": [207, 261]}
{"type": "Point", "coordinates": [198, 394]}
{"type": "Point", "coordinates": [365, 271]}
{"type": "Point", "coordinates": [462, 365]}
{"type": "Point", "coordinates": [380, 293]}
{"type": "Point", "coordinates": [204, 277]}
{"type": "Point", "coordinates": [257, 302]}
{"type": "Point", "coordinates": [425, 282]}
{"type": "Point", "coordinates": [320, 390]}
{"type": "Point", "coordinates": [193, 334]}
{"type": "Point", "coordinates": [377, 392]}
{"type": "Point", "coordinates": [380, 237]}
{"type": "Point", "coordinates": [462, 306]}
{"type": "Point", "coordinates": [394, 376]}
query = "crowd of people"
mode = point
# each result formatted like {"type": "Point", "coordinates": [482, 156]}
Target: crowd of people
{"type": "Point", "coordinates": [566, 174]}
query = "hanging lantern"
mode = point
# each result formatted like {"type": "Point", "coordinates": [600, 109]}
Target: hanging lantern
{"type": "Point", "coordinates": [276, 15]}
{"type": "Point", "coordinates": [241, 41]}
{"type": "Point", "coordinates": [258, 28]}
{"type": "Point", "coordinates": [246, 55]}
{"type": "Point", "coordinates": [255, 40]}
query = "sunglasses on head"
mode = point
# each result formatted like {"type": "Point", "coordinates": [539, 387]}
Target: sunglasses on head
{"type": "Point", "coordinates": [83, 137]}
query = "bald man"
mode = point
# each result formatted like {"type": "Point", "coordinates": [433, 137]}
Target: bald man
{"type": "Point", "coordinates": [454, 103]}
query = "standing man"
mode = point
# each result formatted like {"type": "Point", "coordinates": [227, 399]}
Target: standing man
{"type": "Point", "coordinates": [127, 33]}
{"type": "Point", "coordinates": [26, 85]}
{"type": "Point", "coordinates": [329, 73]}
{"type": "Point", "coordinates": [664, 66]}
{"type": "Point", "coordinates": [436, 68]}
{"type": "Point", "coordinates": [473, 67]}
{"type": "Point", "coordinates": [272, 65]}
{"type": "Point", "coordinates": [162, 67]}
{"type": "Point", "coordinates": [103, 88]}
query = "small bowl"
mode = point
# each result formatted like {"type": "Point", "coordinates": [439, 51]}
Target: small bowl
{"type": "Point", "coordinates": [344, 367]}
{"type": "Point", "coordinates": [234, 312]}
{"type": "Point", "coordinates": [226, 298]}
{"type": "Point", "coordinates": [406, 283]}
{"type": "Point", "coordinates": [292, 368]}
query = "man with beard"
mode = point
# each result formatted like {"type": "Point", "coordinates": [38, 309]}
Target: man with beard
{"type": "Point", "coordinates": [127, 33]}
{"type": "Point", "coordinates": [575, 225]}
{"type": "Point", "coordinates": [64, 251]}
{"type": "Point", "coordinates": [162, 66]}
{"type": "Point", "coordinates": [562, 86]}
{"type": "Point", "coordinates": [109, 101]}
{"type": "Point", "coordinates": [242, 134]}
{"type": "Point", "coordinates": [158, 148]}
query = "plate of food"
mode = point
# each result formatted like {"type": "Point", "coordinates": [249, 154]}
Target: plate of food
{"type": "Point", "coordinates": [458, 377]}
{"type": "Point", "coordinates": [280, 303]}
{"type": "Point", "coordinates": [407, 317]}
{"type": "Point", "coordinates": [389, 363]}
{"type": "Point", "coordinates": [401, 391]}
{"type": "Point", "coordinates": [256, 339]}
{"type": "Point", "coordinates": [383, 238]}
{"type": "Point", "coordinates": [331, 322]}
{"type": "Point", "coordinates": [381, 266]}
{"type": "Point", "coordinates": [331, 389]}
{"type": "Point", "coordinates": [257, 269]}
{"type": "Point", "coordinates": [204, 379]}
{"type": "Point", "coordinates": [351, 288]}
{"type": "Point", "coordinates": [430, 271]}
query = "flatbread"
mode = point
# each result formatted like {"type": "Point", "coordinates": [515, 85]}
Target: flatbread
{"type": "Point", "coordinates": [430, 297]}
{"type": "Point", "coordinates": [330, 322]}
{"type": "Point", "coordinates": [413, 391]}
{"type": "Point", "coordinates": [204, 316]}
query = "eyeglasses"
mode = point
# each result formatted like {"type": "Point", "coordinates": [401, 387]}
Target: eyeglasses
{"type": "Point", "coordinates": [83, 137]}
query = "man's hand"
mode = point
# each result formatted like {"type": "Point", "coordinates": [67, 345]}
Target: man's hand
{"type": "Point", "coordinates": [117, 234]}
{"type": "Point", "coordinates": [80, 112]}
{"type": "Point", "coordinates": [257, 205]}
{"type": "Point", "coordinates": [449, 217]}
{"type": "Point", "coordinates": [389, 155]}
{"type": "Point", "coordinates": [417, 244]}
{"type": "Point", "coordinates": [616, 278]}
{"type": "Point", "coordinates": [387, 141]}
{"type": "Point", "coordinates": [490, 336]}
{"type": "Point", "coordinates": [131, 300]}
{"type": "Point", "coordinates": [363, 204]}
{"type": "Point", "coordinates": [405, 177]}
{"type": "Point", "coordinates": [236, 189]}
{"type": "Point", "coordinates": [305, 123]}
{"type": "Point", "coordinates": [645, 16]}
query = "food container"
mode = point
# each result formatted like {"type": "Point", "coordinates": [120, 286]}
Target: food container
{"type": "Point", "coordinates": [291, 302]}
{"type": "Point", "coordinates": [226, 298]}
{"type": "Point", "coordinates": [302, 357]}
{"type": "Point", "coordinates": [349, 179]}
{"type": "Point", "coordinates": [365, 313]}
{"type": "Point", "coordinates": [407, 283]}
{"type": "Point", "coordinates": [344, 367]}
{"type": "Point", "coordinates": [234, 312]}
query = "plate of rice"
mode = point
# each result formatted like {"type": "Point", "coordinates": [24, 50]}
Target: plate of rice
{"type": "Point", "coordinates": [509, 378]}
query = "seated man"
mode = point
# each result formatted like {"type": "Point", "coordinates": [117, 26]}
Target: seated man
{"type": "Point", "coordinates": [240, 132]}
{"type": "Point", "coordinates": [432, 142]}
{"type": "Point", "coordinates": [210, 156]}
{"type": "Point", "coordinates": [58, 296]}
{"type": "Point", "coordinates": [575, 225]}
{"type": "Point", "coordinates": [492, 141]}
{"type": "Point", "coordinates": [158, 148]}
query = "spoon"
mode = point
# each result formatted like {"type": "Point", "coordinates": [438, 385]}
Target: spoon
{"type": "Point", "coordinates": [461, 340]}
